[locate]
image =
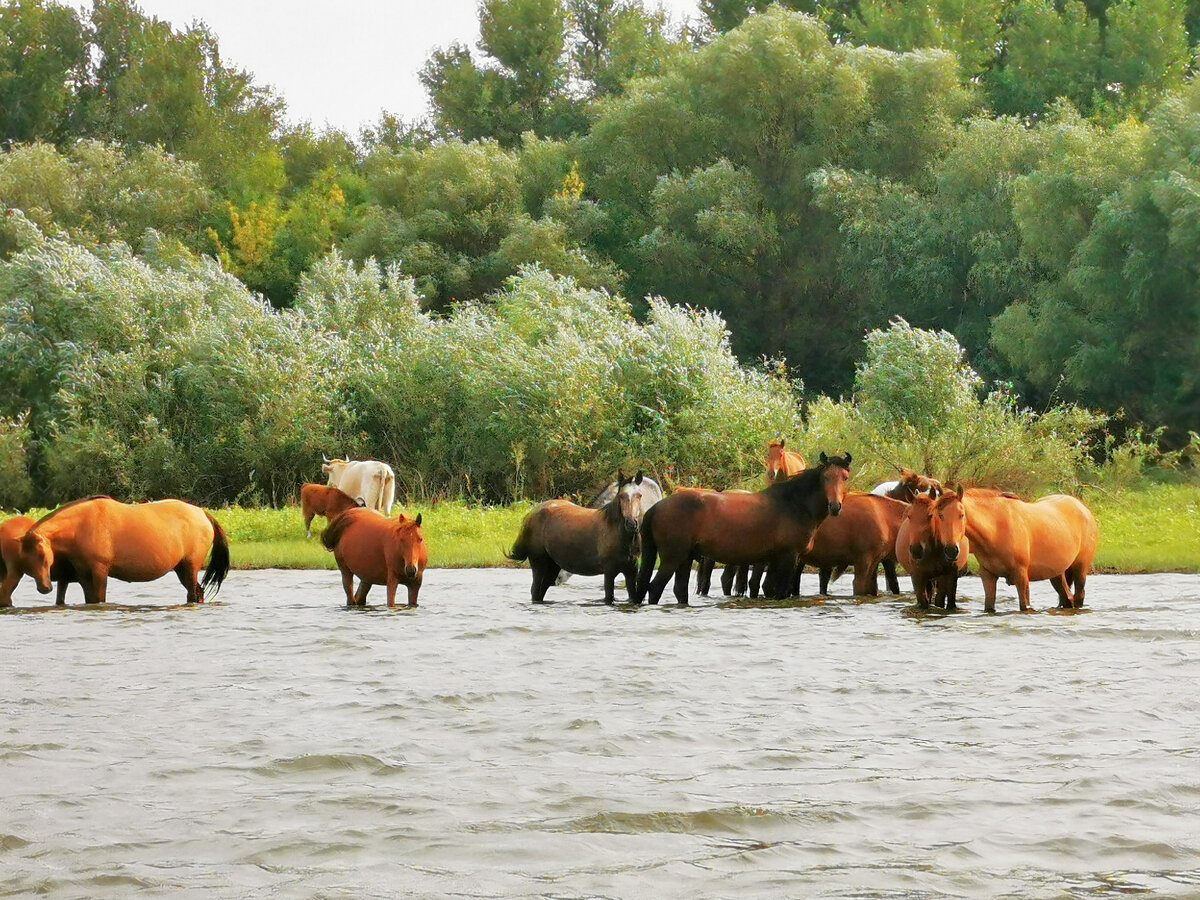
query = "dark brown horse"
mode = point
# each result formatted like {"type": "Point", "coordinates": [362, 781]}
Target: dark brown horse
{"type": "Point", "coordinates": [863, 536]}
{"type": "Point", "coordinates": [559, 535]}
{"type": "Point", "coordinates": [770, 526]}
{"type": "Point", "coordinates": [932, 546]}
{"type": "Point", "coordinates": [101, 537]}
{"type": "Point", "coordinates": [378, 550]}
{"type": "Point", "coordinates": [324, 500]}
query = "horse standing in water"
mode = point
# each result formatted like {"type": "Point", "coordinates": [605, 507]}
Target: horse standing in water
{"type": "Point", "coordinates": [909, 485]}
{"type": "Point", "coordinates": [863, 536]}
{"type": "Point", "coordinates": [101, 537]}
{"type": "Point", "coordinates": [378, 550]}
{"type": "Point", "coordinates": [1052, 538]}
{"type": "Point", "coordinates": [770, 526]}
{"type": "Point", "coordinates": [559, 535]}
{"type": "Point", "coordinates": [641, 484]}
{"type": "Point", "coordinates": [932, 546]}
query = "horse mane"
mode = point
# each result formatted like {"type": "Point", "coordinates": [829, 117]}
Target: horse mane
{"type": "Point", "coordinates": [996, 492]}
{"type": "Point", "coordinates": [66, 506]}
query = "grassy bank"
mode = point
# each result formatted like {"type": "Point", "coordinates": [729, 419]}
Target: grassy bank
{"type": "Point", "coordinates": [1154, 528]}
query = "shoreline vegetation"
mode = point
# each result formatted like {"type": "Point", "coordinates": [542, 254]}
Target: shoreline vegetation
{"type": "Point", "coordinates": [1147, 529]}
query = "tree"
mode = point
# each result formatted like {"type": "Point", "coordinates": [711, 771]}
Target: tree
{"type": "Point", "coordinates": [43, 69]}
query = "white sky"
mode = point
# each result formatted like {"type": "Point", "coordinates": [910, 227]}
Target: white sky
{"type": "Point", "coordinates": [340, 62]}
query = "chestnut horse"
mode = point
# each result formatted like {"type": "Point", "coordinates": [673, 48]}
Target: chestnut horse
{"type": "Point", "coordinates": [11, 533]}
{"type": "Point", "coordinates": [772, 526]}
{"type": "Point", "coordinates": [559, 535]}
{"type": "Point", "coordinates": [932, 546]}
{"type": "Point", "coordinates": [1052, 538]}
{"type": "Point", "coordinates": [100, 537]}
{"type": "Point", "coordinates": [863, 536]}
{"type": "Point", "coordinates": [783, 464]}
{"type": "Point", "coordinates": [324, 500]}
{"type": "Point", "coordinates": [908, 486]}
{"type": "Point", "coordinates": [378, 550]}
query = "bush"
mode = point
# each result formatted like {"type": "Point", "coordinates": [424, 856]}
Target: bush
{"type": "Point", "coordinates": [918, 404]}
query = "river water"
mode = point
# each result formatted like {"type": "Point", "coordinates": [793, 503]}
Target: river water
{"type": "Point", "coordinates": [276, 744]}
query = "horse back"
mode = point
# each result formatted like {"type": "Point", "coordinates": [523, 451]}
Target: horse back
{"type": "Point", "coordinates": [359, 539]}
{"type": "Point", "coordinates": [867, 525]}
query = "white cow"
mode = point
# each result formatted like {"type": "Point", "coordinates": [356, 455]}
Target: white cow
{"type": "Point", "coordinates": [369, 479]}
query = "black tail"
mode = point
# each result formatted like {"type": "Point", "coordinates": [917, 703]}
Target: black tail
{"type": "Point", "coordinates": [649, 554]}
{"type": "Point", "coordinates": [218, 563]}
{"type": "Point", "coordinates": [331, 535]}
{"type": "Point", "coordinates": [520, 550]}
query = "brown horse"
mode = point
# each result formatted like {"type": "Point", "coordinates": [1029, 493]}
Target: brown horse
{"type": "Point", "coordinates": [783, 464]}
{"type": "Point", "coordinates": [932, 546]}
{"type": "Point", "coordinates": [770, 526]}
{"type": "Point", "coordinates": [378, 550]}
{"type": "Point", "coordinates": [11, 533]}
{"type": "Point", "coordinates": [101, 537]}
{"type": "Point", "coordinates": [559, 535]}
{"type": "Point", "coordinates": [1052, 538]}
{"type": "Point", "coordinates": [908, 486]}
{"type": "Point", "coordinates": [323, 500]}
{"type": "Point", "coordinates": [863, 536]}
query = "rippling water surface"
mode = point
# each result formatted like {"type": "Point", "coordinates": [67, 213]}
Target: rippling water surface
{"type": "Point", "coordinates": [277, 744]}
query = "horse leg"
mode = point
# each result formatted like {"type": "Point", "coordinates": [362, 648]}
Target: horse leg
{"type": "Point", "coordinates": [60, 595]}
{"type": "Point", "coordinates": [360, 596]}
{"type": "Point", "coordinates": [754, 578]}
{"type": "Point", "coordinates": [794, 582]}
{"type": "Point", "coordinates": [823, 576]}
{"type": "Point", "coordinates": [1021, 583]}
{"type": "Point", "coordinates": [1059, 583]}
{"type": "Point", "coordinates": [682, 574]}
{"type": "Point", "coordinates": [1078, 573]}
{"type": "Point", "coordinates": [630, 571]}
{"type": "Point", "coordinates": [98, 579]}
{"type": "Point", "coordinates": [779, 575]}
{"type": "Point", "coordinates": [989, 590]}
{"type": "Point", "coordinates": [413, 587]}
{"type": "Point", "coordinates": [704, 570]}
{"type": "Point", "coordinates": [889, 573]}
{"type": "Point", "coordinates": [392, 583]}
{"type": "Point", "coordinates": [865, 583]}
{"type": "Point", "coordinates": [921, 587]}
{"type": "Point", "coordinates": [348, 585]}
{"type": "Point", "coordinates": [659, 583]}
{"type": "Point", "coordinates": [610, 584]}
{"type": "Point", "coordinates": [541, 581]}
{"type": "Point", "coordinates": [950, 591]}
{"type": "Point", "coordinates": [10, 584]}
{"type": "Point", "coordinates": [187, 577]}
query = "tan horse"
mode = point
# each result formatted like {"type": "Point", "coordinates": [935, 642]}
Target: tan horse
{"type": "Point", "coordinates": [782, 464]}
{"type": "Point", "coordinates": [11, 533]}
{"type": "Point", "coordinates": [323, 500]}
{"type": "Point", "coordinates": [378, 550]}
{"type": "Point", "coordinates": [933, 548]}
{"type": "Point", "coordinates": [559, 535]}
{"type": "Point", "coordinates": [1052, 538]}
{"type": "Point", "coordinates": [101, 537]}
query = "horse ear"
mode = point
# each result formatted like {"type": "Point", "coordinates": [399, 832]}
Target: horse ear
{"type": "Point", "coordinates": [418, 519]}
{"type": "Point", "coordinates": [824, 458]}
{"type": "Point", "coordinates": [782, 443]}
{"type": "Point", "coordinates": [960, 490]}
{"type": "Point", "coordinates": [620, 478]}
{"type": "Point", "coordinates": [637, 479]}
{"type": "Point", "coordinates": [848, 458]}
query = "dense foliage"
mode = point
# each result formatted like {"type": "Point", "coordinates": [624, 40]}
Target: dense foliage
{"type": "Point", "coordinates": [1021, 175]}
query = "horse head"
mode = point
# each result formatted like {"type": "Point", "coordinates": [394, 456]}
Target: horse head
{"type": "Point", "coordinates": [629, 501]}
{"type": "Point", "coordinates": [412, 545]}
{"type": "Point", "coordinates": [776, 465]}
{"type": "Point", "coordinates": [919, 519]}
{"type": "Point", "coordinates": [835, 473]}
{"type": "Point", "coordinates": [949, 524]}
{"type": "Point", "coordinates": [37, 558]}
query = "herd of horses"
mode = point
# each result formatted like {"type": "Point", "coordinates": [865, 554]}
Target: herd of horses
{"type": "Point", "coordinates": [805, 516]}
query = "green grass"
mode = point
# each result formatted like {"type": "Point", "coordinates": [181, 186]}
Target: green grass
{"type": "Point", "coordinates": [1152, 528]}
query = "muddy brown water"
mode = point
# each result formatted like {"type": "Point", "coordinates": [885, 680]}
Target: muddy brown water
{"type": "Point", "coordinates": [276, 744]}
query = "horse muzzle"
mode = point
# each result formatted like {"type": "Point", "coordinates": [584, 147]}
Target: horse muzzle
{"type": "Point", "coordinates": [410, 571]}
{"type": "Point", "coordinates": [951, 553]}
{"type": "Point", "coordinates": [835, 508]}
{"type": "Point", "coordinates": [44, 588]}
{"type": "Point", "coordinates": [916, 551]}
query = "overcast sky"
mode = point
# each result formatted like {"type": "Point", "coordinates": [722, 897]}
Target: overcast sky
{"type": "Point", "coordinates": [343, 62]}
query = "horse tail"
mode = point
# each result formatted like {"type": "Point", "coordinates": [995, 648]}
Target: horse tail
{"type": "Point", "coordinates": [839, 572]}
{"type": "Point", "coordinates": [520, 550]}
{"type": "Point", "coordinates": [649, 554]}
{"type": "Point", "coordinates": [331, 535]}
{"type": "Point", "coordinates": [218, 564]}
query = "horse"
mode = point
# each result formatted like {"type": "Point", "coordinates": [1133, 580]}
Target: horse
{"type": "Point", "coordinates": [863, 536]}
{"type": "Point", "coordinates": [642, 484]}
{"type": "Point", "coordinates": [323, 500]}
{"type": "Point", "coordinates": [100, 537]}
{"type": "Point", "coordinates": [1052, 538]}
{"type": "Point", "coordinates": [560, 535]}
{"type": "Point", "coordinates": [11, 533]}
{"type": "Point", "coordinates": [783, 464]}
{"type": "Point", "coordinates": [932, 546]}
{"type": "Point", "coordinates": [771, 525]}
{"type": "Point", "coordinates": [908, 486]}
{"type": "Point", "coordinates": [378, 550]}
{"type": "Point", "coordinates": [370, 479]}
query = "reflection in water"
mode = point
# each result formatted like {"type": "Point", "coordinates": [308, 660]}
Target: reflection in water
{"type": "Point", "coordinates": [276, 745]}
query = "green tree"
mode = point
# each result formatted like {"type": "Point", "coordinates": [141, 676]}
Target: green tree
{"type": "Point", "coordinates": [43, 68]}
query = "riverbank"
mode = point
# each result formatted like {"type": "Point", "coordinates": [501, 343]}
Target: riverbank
{"type": "Point", "coordinates": [1153, 528]}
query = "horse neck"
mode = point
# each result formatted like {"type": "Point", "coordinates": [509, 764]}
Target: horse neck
{"type": "Point", "coordinates": [983, 510]}
{"type": "Point", "coordinates": [802, 494]}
